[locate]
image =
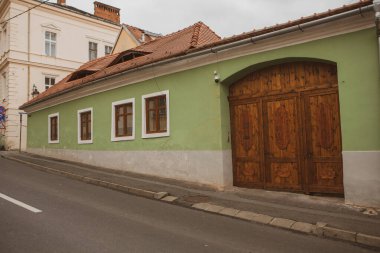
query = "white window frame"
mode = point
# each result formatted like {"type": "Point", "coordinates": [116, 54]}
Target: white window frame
{"type": "Point", "coordinates": [50, 77]}
{"type": "Point", "coordinates": [113, 134]}
{"type": "Point", "coordinates": [80, 141]}
{"type": "Point", "coordinates": [105, 49]}
{"type": "Point", "coordinates": [146, 135]}
{"type": "Point", "coordinates": [96, 51]}
{"type": "Point", "coordinates": [49, 128]}
{"type": "Point", "coordinates": [50, 42]}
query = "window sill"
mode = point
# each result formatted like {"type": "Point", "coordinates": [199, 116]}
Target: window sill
{"type": "Point", "coordinates": [127, 138]}
{"type": "Point", "coordinates": [155, 135]}
{"type": "Point", "coordinates": [53, 142]}
{"type": "Point", "coordinates": [85, 142]}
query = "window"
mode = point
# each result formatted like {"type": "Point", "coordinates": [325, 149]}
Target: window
{"type": "Point", "coordinates": [93, 50]}
{"type": "Point", "coordinates": [49, 82]}
{"type": "Point", "coordinates": [123, 120]}
{"type": "Point", "coordinates": [155, 114]}
{"type": "Point", "coordinates": [127, 56]}
{"type": "Point", "coordinates": [50, 43]}
{"type": "Point", "coordinates": [107, 50]}
{"type": "Point", "coordinates": [85, 126]}
{"type": "Point", "coordinates": [53, 128]}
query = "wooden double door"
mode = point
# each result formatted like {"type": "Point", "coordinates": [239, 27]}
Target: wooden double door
{"type": "Point", "coordinates": [287, 140]}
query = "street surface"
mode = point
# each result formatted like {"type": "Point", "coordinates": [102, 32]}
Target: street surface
{"type": "Point", "coordinates": [40, 212]}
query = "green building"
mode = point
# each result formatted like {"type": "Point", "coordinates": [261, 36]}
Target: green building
{"type": "Point", "coordinates": [292, 107]}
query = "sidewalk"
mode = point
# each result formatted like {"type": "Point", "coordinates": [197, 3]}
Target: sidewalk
{"type": "Point", "coordinates": [299, 212]}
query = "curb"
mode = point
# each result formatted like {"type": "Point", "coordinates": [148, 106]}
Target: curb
{"type": "Point", "coordinates": [122, 188]}
{"type": "Point", "coordinates": [319, 229]}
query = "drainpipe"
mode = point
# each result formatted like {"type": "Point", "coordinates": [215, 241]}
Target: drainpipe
{"type": "Point", "coordinates": [376, 7]}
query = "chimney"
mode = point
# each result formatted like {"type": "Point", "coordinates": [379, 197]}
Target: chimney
{"type": "Point", "coordinates": [107, 12]}
{"type": "Point", "coordinates": [61, 2]}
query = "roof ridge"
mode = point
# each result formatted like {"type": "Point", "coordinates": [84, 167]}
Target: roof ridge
{"type": "Point", "coordinates": [303, 19]}
{"type": "Point", "coordinates": [195, 36]}
{"type": "Point", "coordinates": [167, 36]}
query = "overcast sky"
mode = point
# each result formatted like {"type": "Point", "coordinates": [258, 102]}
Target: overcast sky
{"type": "Point", "coordinates": [225, 17]}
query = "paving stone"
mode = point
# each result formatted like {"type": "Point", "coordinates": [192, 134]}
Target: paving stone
{"type": "Point", "coordinates": [246, 215]}
{"type": "Point", "coordinates": [229, 211]}
{"type": "Point", "coordinates": [283, 223]}
{"type": "Point", "coordinates": [339, 234]}
{"type": "Point", "coordinates": [368, 240]}
{"type": "Point", "coordinates": [304, 227]}
{"type": "Point", "coordinates": [319, 228]}
{"type": "Point", "coordinates": [160, 195]}
{"type": "Point", "coordinates": [215, 208]}
{"type": "Point", "coordinates": [262, 218]}
{"type": "Point", "coordinates": [140, 192]}
{"type": "Point", "coordinates": [202, 206]}
{"type": "Point", "coordinates": [169, 198]}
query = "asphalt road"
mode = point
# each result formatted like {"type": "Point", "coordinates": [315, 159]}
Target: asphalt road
{"type": "Point", "coordinates": [77, 217]}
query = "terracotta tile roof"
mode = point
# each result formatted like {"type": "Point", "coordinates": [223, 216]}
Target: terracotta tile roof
{"type": "Point", "coordinates": [191, 39]}
{"type": "Point", "coordinates": [138, 34]}
{"type": "Point", "coordinates": [79, 11]}
{"type": "Point", "coordinates": [162, 48]}
{"type": "Point", "coordinates": [291, 23]}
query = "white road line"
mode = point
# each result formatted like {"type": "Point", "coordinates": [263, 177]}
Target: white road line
{"type": "Point", "coordinates": [19, 203]}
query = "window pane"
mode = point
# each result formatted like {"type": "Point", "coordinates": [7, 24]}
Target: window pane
{"type": "Point", "coordinates": [84, 130]}
{"type": "Point", "coordinates": [162, 119]}
{"type": "Point", "coordinates": [152, 121]}
{"type": "Point", "coordinates": [47, 35]}
{"type": "Point", "coordinates": [120, 109]}
{"type": "Point", "coordinates": [151, 104]}
{"type": "Point", "coordinates": [129, 125]}
{"type": "Point", "coordinates": [52, 49]}
{"type": "Point", "coordinates": [129, 108]}
{"type": "Point", "coordinates": [120, 126]}
{"type": "Point", "coordinates": [162, 101]}
{"type": "Point", "coordinates": [47, 48]}
{"type": "Point", "coordinates": [53, 36]}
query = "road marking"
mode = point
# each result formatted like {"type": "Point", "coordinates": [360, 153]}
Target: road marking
{"type": "Point", "coordinates": [19, 203]}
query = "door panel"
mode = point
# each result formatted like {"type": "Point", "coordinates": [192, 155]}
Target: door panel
{"type": "Point", "coordinates": [324, 142]}
{"type": "Point", "coordinates": [286, 128]}
{"type": "Point", "coordinates": [247, 143]}
{"type": "Point", "coordinates": [281, 143]}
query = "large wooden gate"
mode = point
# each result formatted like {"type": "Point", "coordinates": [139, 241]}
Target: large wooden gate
{"type": "Point", "coordinates": [286, 128]}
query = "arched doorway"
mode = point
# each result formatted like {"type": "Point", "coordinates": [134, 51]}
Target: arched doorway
{"type": "Point", "coordinates": [285, 128]}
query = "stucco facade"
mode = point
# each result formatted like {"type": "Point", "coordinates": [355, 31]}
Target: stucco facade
{"type": "Point", "coordinates": [198, 148]}
{"type": "Point", "coordinates": [23, 58]}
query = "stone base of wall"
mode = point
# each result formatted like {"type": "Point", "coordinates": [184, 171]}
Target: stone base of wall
{"type": "Point", "coordinates": [212, 168]}
{"type": "Point", "coordinates": [361, 173]}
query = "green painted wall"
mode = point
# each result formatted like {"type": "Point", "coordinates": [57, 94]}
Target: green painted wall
{"type": "Point", "coordinates": [194, 116]}
{"type": "Point", "coordinates": [199, 111]}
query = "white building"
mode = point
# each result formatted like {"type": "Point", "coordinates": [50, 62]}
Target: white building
{"type": "Point", "coordinates": [41, 43]}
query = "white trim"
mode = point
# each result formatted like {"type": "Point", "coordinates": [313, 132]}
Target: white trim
{"type": "Point", "coordinates": [125, 138]}
{"type": "Point", "coordinates": [51, 27]}
{"type": "Point", "coordinates": [49, 128]}
{"type": "Point", "coordinates": [92, 126]}
{"type": "Point", "coordinates": [143, 130]}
